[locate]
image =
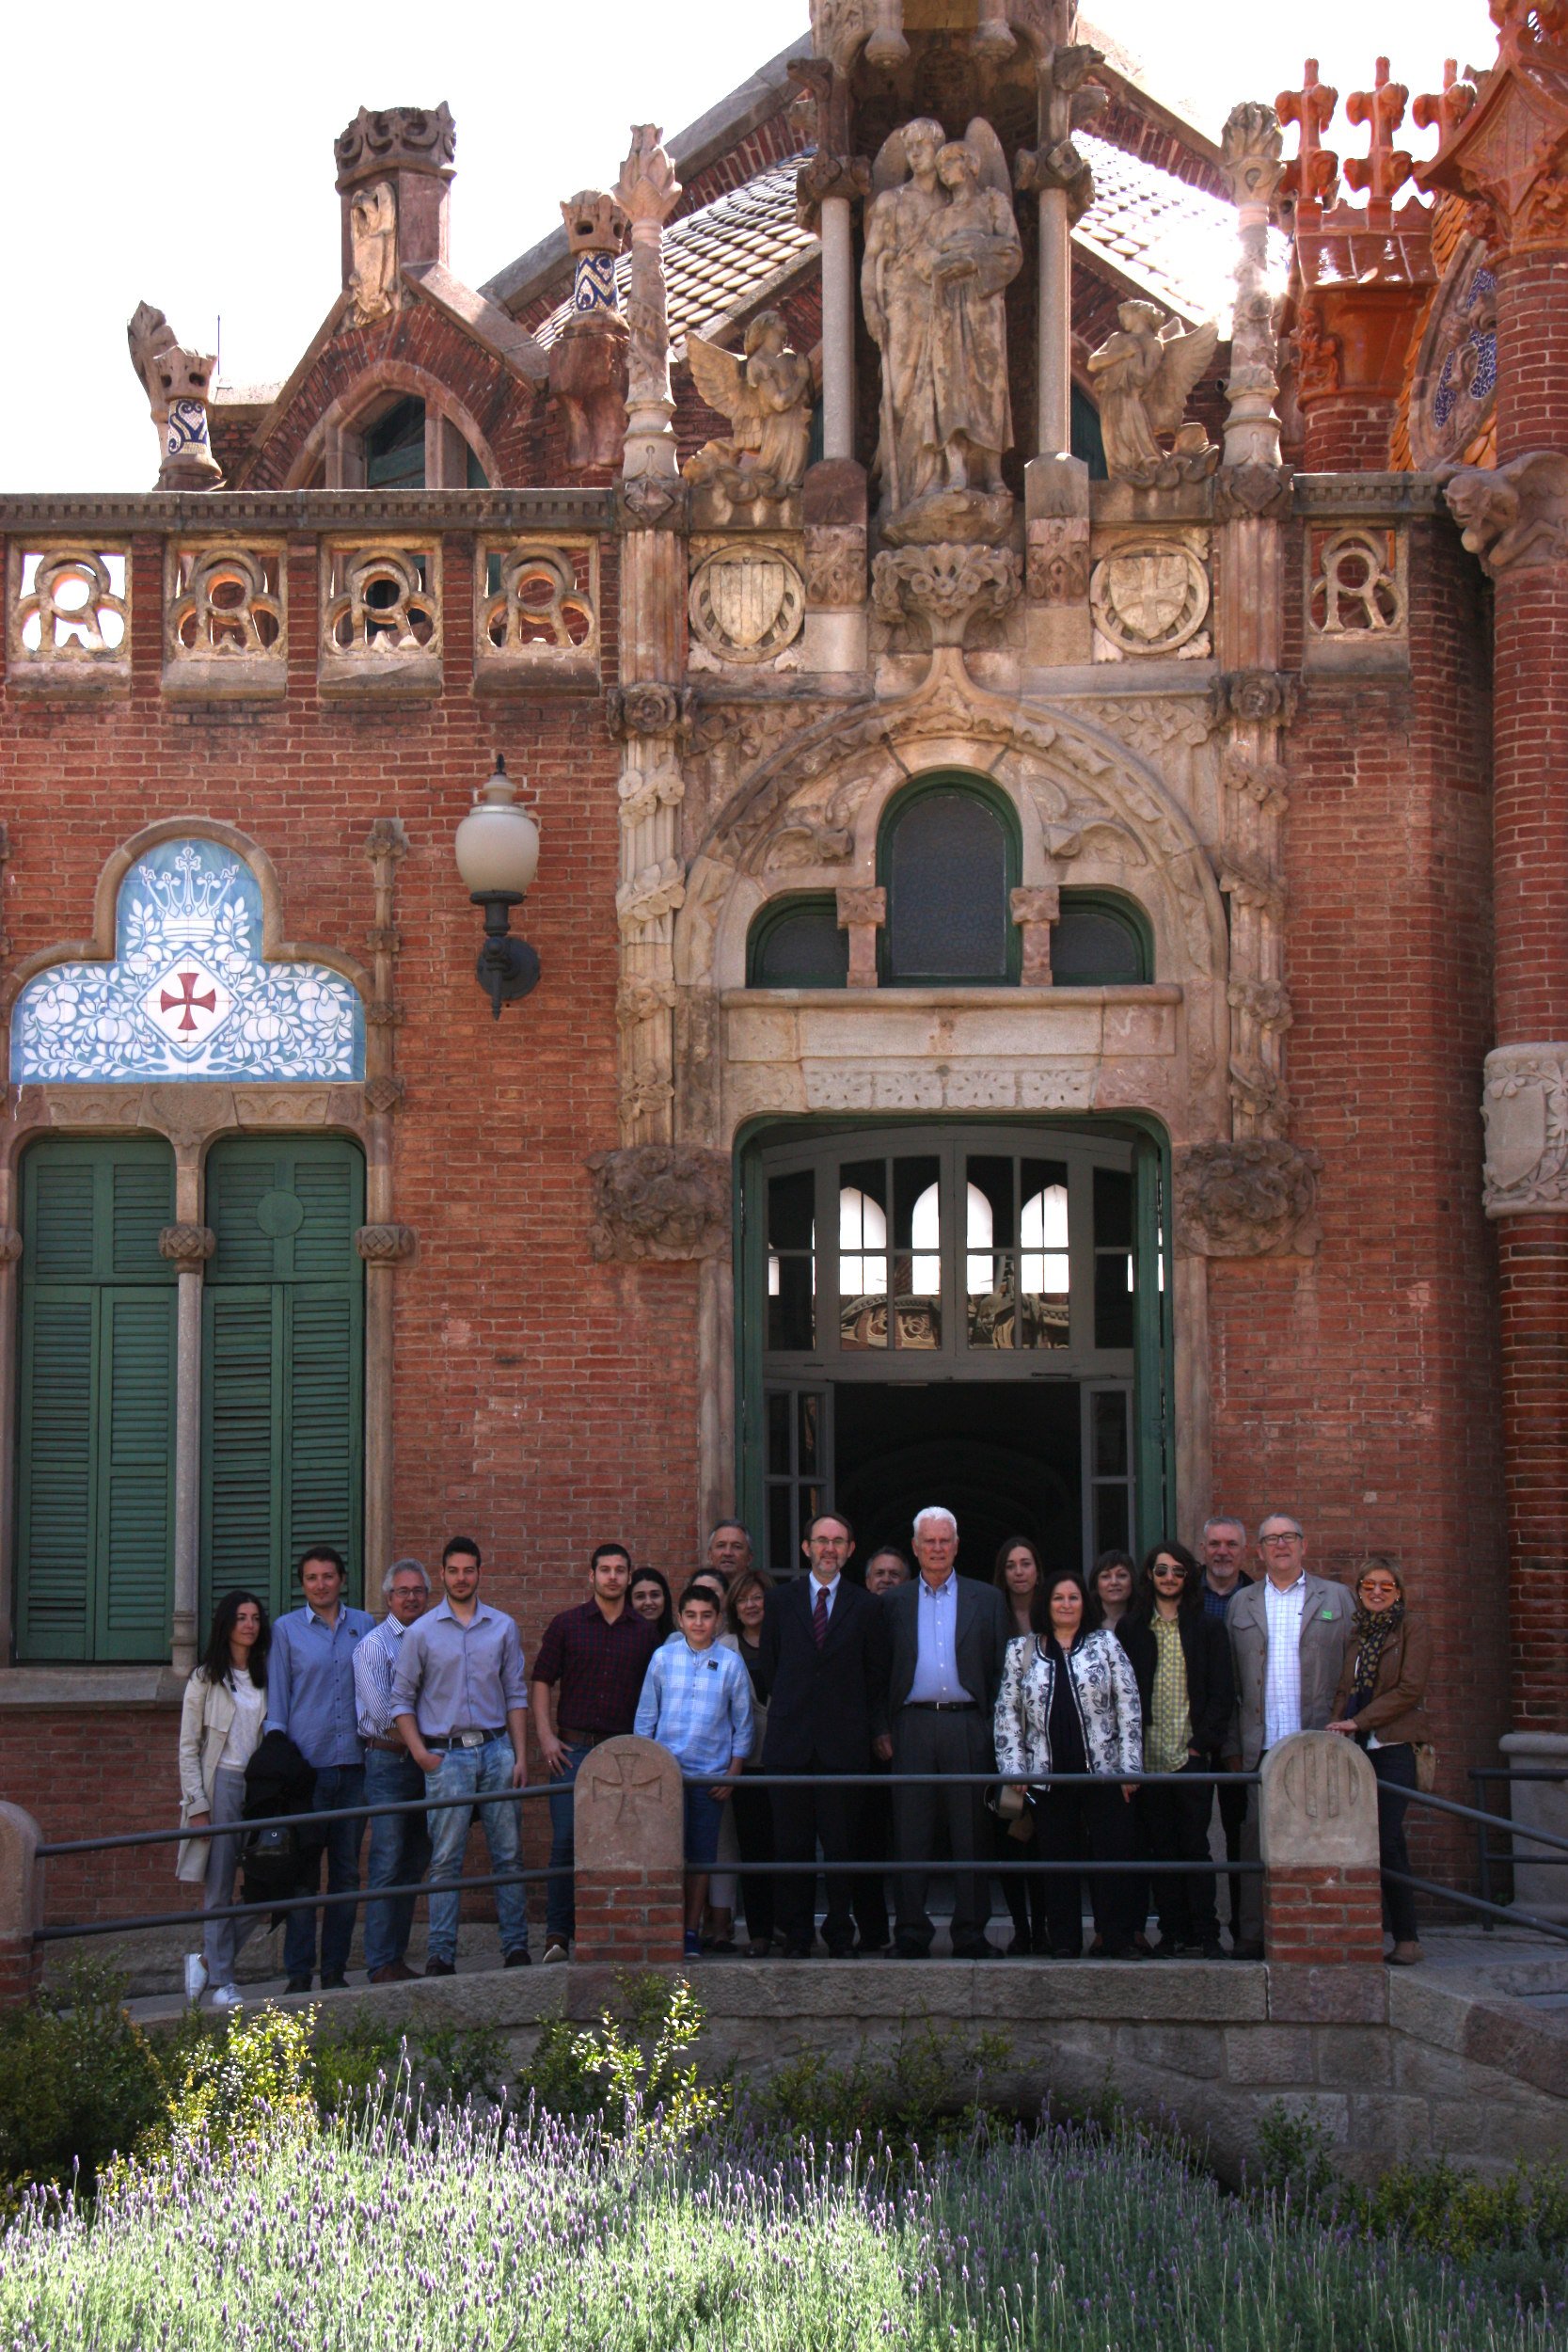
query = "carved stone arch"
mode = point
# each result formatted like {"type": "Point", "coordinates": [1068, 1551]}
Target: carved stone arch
{"type": "Point", "coordinates": [352, 409]}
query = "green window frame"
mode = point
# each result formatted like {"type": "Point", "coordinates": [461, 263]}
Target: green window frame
{"type": "Point", "coordinates": [282, 1364]}
{"type": "Point", "coordinates": [777, 916]}
{"type": "Point", "coordinates": [912, 799]}
{"type": "Point", "coordinates": [1129, 918]}
{"type": "Point", "coordinates": [96, 1418]}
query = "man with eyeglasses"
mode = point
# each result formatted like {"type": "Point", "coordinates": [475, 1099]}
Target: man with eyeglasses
{"type": "Point", "coordinates": [1289, 1635]}
{"type": "Point", "coordinates": [1223, 1552]}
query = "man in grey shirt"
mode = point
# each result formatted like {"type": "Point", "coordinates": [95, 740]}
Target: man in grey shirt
{"type": "Point", "coordinates": [459, 1698]}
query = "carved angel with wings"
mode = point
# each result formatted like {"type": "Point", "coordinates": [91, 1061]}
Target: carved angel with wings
{"type": "Point", "coordinates": [767, 400]}
{"type": "Point", "coordinates": [1145, 375]}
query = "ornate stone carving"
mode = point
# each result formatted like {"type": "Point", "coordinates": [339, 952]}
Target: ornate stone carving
{"type": "Point", "coordinates": [648, 708]}
{"type": "Point", "coordinates": [1149, 599]}
{"type": "Point", "coordinates": [1262, 782]}
{"type": "Point", "coordinates": [385, 1245]}
{"type": "Point", "coordinates": [747, 603]}
{"type": "Point", "coordinates": [768, 399]}
{"type": "Point", "coordinates": [945, 587]}
{"type": "Point", "coordinates": [648, 192]}
{"type": "Point", "coordinates": [187, 1245]}
{"type": "Point", "coordinates": [940, 248]}
{"type": "Point", "coordinates": [1034, 911]}
{"type": "Point", "coordinates": [225, 604]}
{"type": "Point", "coordinates": [862, 912]}
{"type": "Point", "coordinates": [644, 790]}
{"type": "Point", "coordinates": [652, 503]}
{"type": "Point", "coordinates": [1317, 358]}
{"type": "Point", "coordinates": [1058, 559]}
{"type": "Point", "coordinates": [384, 1093]}
{"type": "Point", "coordinates": [1253, 490]}
{"type": "Point", "coordinates": [381, 606]}
{"type": "Point", "coordinates": [178, 384]}
{"type": "Point", "coordinates": [1455, 391]}
{"type": "Point", "coordinates": [1250, 149]}
{"type": "Point", "coordinates": [1524, 1105]}
{"type": "Point", "coordinates": [805, 840]}
{"type": "Point", "coordinates": [543, 615]}
{"type": "Point", "coordinates": [835, 565]}
{"type": "Point", "coordinates": [1515, 518]}
{"type": "Point", "coordinates": [1249, 156]}
{"type": "Point", "coordinates": [1355, 583]}
{"type": "Point", "coordinates": [72, 614]}
{"type": "Point", "coordinates": [1247, 1200]}
{"type": "Point", "coordinates": [595, 232]}
{"type": "Point", "coordinates": [372, 228]}
{"type": "Point", "coordinates": [424, 139]}
{"type": "Point", "coordinates": [655, 892]}
{"type": "Point", "coordinates": [1251, 883]}
{"type": "Point", "coordinates": [659, 1200]}
{"type": "Point", "coordinates": [1146, 372]}
{"type": "Point", "coordinates": [10, 1245]}
{"type": "Point", "coordinates": [638, 1000]}
{"type": "Point", "coordinates": [1267, 1003]}
{"type": "Point", "coordinates": [1259, 696]}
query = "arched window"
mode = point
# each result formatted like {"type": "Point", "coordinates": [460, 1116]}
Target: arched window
{"type": "Point", "coordinates": [1099, 940]}
{"type": "Point", "coordinates": [862, 1243]}
{"type": "Point", "coordinates": [1042, 1233]}
{"type": "Point", "coordinates": [394, 449]}
{"type": "Point", "coordinates": [796, 943]}
{"type": "Point", "coordinates": [949, 860]}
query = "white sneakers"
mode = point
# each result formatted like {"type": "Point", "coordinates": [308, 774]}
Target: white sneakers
{"type": "Point", "coordinates": [228, 1997]}
{"type": "Point", "coordinates": [554, 1954]}
{"type": "Point", "coordinates": [196, 1977]}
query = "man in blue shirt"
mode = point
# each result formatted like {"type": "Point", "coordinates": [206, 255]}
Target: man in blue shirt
{"type": "Point", "coordinates": [311, 1695]}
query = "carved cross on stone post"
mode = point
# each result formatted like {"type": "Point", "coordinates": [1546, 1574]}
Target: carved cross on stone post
{"type": "Point", "coordinates": [862, 912]}
{"type": "Point", "coordinates": [1381, 173]}
{"type": "Point", "coordinates": [1034, 911]}
{"type": "Point", "coordinates": [1314, 177]}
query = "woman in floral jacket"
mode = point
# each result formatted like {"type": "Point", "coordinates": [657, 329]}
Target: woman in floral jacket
{"type": "Point", "coordinates": [1068, 1704]}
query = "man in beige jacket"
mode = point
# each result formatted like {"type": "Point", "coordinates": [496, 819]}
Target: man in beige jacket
{"type": "Point", "coordinates": [1289, 1635]}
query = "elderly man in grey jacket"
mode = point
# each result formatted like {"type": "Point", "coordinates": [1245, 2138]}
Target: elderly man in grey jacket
{"type": "Point", "coordinates": [1289, 1635]}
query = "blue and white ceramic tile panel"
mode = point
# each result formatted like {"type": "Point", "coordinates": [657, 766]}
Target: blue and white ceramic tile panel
{"type": "Point", "coordinates": [187, 996]}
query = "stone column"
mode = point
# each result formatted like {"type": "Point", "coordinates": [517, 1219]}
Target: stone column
{"type": "Point", "coordinates": [630, 1829]}
{"type": "Point", "coordinates": [389, 1245]}
{"type": "Point", "coordinates": [647, 193]}
{"type": "Point", "coordinates": [1323, 1901]}
{"type": "Point", "coordinates": [1034, 911]}
{"type": "Point", "coordinates": [838, 328]}
{"type": "Point", "coordinates": [1516, 520]}
{"type": "Point", "coordinates": [862, 912]}
{"type": "Point", "coordinates": [188, 1247]}
{"type": "Point", "coordinates": [21, 1906]}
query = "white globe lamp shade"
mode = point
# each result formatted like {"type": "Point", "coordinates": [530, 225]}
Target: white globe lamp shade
{"type": "Point", "coordinates": [498, 843]}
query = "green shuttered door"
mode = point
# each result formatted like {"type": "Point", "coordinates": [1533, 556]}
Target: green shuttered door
{"type": "Point", "coordinates": [282, 1363]}
{"type": "Point", "coordinates": [95, 1518]}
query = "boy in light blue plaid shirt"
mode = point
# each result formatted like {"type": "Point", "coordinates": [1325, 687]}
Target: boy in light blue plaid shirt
{"type": "Point", "coordinates": [697, 1702]}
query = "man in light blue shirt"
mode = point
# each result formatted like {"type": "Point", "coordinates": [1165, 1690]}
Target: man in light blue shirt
{"type": "Point", "coordinates": [400, 1842]}
{"type": "Point", "coordinates": [310, 1696]}
{"type": "Point", "coordinates": [460, 1700]}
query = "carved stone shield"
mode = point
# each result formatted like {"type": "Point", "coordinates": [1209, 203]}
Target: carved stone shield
{"type": "Point", "coordinates": [1149, 599]}
{"type": "Point", "coordinates": [746, 604]}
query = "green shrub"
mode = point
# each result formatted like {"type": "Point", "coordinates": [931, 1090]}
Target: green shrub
{"type": "Point", "coordinates": [79, 2083]}
{"type": "Point", "coordinates": [630, 2073]}
{"type": "Point", "coordinates": [931, 2089]}
{"type": "Point", "coordinates": [246, 2088]}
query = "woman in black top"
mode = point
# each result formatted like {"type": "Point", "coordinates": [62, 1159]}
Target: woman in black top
{"type": "Point", "coordinates": [1181, 1658]}
{"type": "Point", "coordinates": [745, 1605]}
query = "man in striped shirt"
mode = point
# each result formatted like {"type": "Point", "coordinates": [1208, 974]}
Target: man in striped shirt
{"type": "Point", "coordinates": [400, 1842]}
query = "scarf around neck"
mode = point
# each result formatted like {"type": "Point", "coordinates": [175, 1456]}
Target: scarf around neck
{"type": "Point", "coordinates": [1375, 1629]}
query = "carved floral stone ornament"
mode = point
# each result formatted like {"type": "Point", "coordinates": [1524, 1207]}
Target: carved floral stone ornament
{"type": "Point", "coordinates": [659, 1200]}
{"type": "Point", "coordinates": [1515, 517]}
{"type": "Point", "coordinates": [747, 603]}
{"type": "Point", "coordinates": [1251, 1198]}
{"type": "Point", "coordinates": [1525, 1106]}
{"type": "Point", "coordinates": [945, 587]}
{"type": "Point", "coordinates": [1150, 599]}
{"type": "Point", "coordinates": [384, 139]}
{"type": "Point", "coordinates": [650, 708]}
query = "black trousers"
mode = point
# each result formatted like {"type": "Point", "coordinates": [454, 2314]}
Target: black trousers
{"type": "Point", "coordinates": [1072, 1824]}
{"type": "Point", "coordinates": [1023, 1890]}
{"type": "Point", "coordinates": [1395, 1768]}
{"type": "Point", "coordinates": [753, 1829]}
{"type": "Point", "coordinates": [868, 1895]}
{"type": "Point", "coordinates": [815, 1812]}
{"type": "Point", "coordinates": [927, 1820]}
{"type": "Point", "coordinates": [1176, 1829]}
{"type": "Point", "coordinates": [1232, 1804]}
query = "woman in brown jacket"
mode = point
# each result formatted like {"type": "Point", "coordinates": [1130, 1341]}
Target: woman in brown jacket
{"type": "Point", "coordinates": [1380, 1702]}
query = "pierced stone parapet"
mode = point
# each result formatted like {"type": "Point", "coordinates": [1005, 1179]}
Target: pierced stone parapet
{"type": "Point", "coordinates": [1525, 1107]}
{"type": "Point", "coordinates": [225, 630]}
{"type": "Point", "coordinates": [538, 608]}
{"type": "Point", "coordinates": [381, 618]}
{"type": "Point", "coordinates": [69, 619]}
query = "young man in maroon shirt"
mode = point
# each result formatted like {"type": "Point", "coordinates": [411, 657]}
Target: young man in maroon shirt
{"type": "Point", "coordinates": [587, 1679]}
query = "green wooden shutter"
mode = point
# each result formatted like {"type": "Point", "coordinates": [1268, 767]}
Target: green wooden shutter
{"type": "Point", "coordinates": [95, 1486]}
{"type": "Point", "coordinates": [283, 1375]}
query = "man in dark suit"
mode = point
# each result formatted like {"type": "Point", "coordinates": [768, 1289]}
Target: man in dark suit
{"type": "Point", "coordinates": [950, 1636]}
{"type": "Point", "coordinates": [824, 1666]}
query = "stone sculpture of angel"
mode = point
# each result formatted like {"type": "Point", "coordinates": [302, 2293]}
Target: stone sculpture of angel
{"type": "Point", "coordinates": [1145, 375]}
{"type": "Point", "coordinates": [768, 399]}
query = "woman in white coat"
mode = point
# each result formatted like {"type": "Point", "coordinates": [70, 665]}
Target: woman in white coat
{"type": "Point", "coordinates": [1068, 1704]}
{"type": "Point", "coordinates": [220, 1724]}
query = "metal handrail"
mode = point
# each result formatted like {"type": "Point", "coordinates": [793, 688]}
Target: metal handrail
{"type": "Point", "coordinates": [1476, 1902]}
{"type": "Point", "coordinates": [283, 1820]}
{"type": "Point", "coordinates": [1485, 1856]}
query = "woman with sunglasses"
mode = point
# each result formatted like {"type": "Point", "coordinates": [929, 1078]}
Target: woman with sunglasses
{"type": "Point", "coordinates": [1181, 1658]}
{"type": "Point", "coordinates": [1380, 1704]}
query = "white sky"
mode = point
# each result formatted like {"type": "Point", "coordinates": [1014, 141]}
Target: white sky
{"type": "Point", "coordinates": [186, 160]}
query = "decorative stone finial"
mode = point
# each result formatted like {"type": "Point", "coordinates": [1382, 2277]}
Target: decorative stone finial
{"type": "Point", "coordinates": [1444, 110]}
{"type": "Point", "coordinates": [596, 233]}
{"type": "Point", "coordinates": [1380, 174]}
{"type": "Point", "coordinates": [1314, 177]}
{"type": "Point", "coordinates": [1250, 156]}
{"type": "Point", "coordinates": [648, 193]}
{"type": "Point", "coordinates": [396, 138]}
{"type": "Point", "coordinates": [178, 384]}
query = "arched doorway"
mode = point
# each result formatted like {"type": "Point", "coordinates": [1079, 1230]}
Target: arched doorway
{"type": "Point", "coordinates": [971, 1314]}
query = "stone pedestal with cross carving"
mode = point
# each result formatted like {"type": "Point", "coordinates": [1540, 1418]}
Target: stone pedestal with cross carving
{"type": "Point", "coordinates": [1323, 1901]}
{"type": "Point", "coordinates": [630, 1829]}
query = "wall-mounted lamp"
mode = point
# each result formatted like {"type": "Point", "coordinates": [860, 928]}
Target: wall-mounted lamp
{"type": "Point", "coordinates": [497, 855]}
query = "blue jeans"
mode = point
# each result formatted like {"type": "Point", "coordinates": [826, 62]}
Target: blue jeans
{"type": "Point", "coordinates": [336, 1785]}
{"type": "Point", "coordinates": [476, 1773]}
{"type": "Point", "coordinates": [704, 1818]}
{"type": "Point", "coordinates": [400, 1852]}
{"type": "Point", "coordinates": [560, 1912]}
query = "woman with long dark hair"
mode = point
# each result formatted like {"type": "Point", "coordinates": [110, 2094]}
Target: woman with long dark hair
{"type": "Point", "coordinates": [1068, 1703]}
{"type": "Point", "coordinates": [220, 1724]}
{"type": "Point", "coordinates": [1181, 1658]}
{"type": "Point", "coordinates": [1017, 1578]}
{"type": "Point", "coordinates": [649, 1596]}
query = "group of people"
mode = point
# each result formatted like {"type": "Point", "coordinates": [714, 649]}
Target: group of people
{"type": "Point", "coordinates": [1022, 1711]}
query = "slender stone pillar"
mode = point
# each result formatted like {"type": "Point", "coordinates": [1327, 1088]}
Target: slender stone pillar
{"type": "Point", "coordinates": [838, 328]}
{"type": "Point", "coordinates": [187, 1246]}
{"type": "Point", "coordinates": [21, 1906]}
{"type": "Point", "coordinates": [629, 1831]}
